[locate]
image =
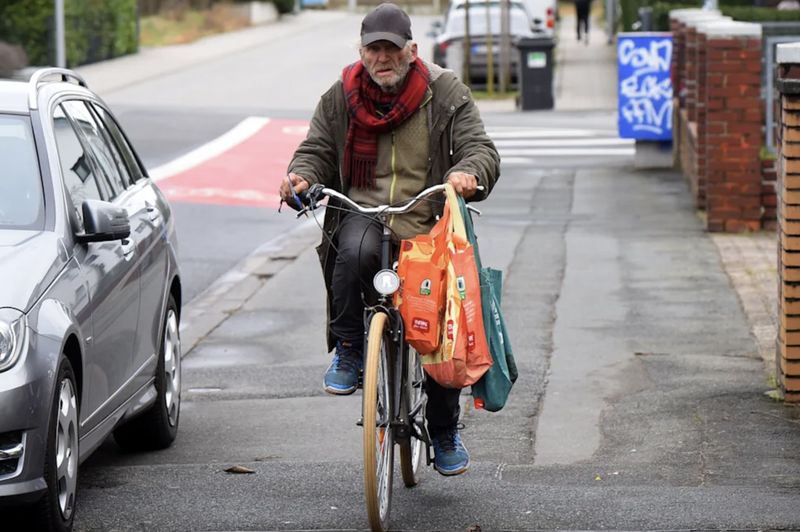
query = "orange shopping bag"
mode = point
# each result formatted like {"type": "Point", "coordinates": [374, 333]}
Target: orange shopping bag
{"type": "Point", "coordinates": [421, 268]}
{"type": "Point", "coordinates": [463, 355]}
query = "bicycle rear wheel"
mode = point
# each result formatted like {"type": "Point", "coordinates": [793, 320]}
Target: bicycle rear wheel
{"type": "Point", "coordinates": [412, 450]}
{"type": "Point", "coordinates": [378, 438]}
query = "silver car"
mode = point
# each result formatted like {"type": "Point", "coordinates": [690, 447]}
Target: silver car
{"type": "Point", "coordinates": [90, 294]}
{"type": "Point", "coordinates": [484, 21]}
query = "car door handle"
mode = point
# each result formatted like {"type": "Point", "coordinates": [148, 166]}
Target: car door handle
{"type": "Point", "coordinates": [128, 248]}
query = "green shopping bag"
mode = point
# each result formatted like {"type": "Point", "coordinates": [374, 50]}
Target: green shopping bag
{"type": "Point", "coordinates": [492, 390]}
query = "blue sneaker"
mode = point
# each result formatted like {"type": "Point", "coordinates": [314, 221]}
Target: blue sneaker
{"type": "Point", "coordinates": [343, 374]}
{"type": "Point", "coordinates": [450, 457]}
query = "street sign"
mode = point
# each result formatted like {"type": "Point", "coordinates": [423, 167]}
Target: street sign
{"type": "Point", "coordinates": [645, 88]}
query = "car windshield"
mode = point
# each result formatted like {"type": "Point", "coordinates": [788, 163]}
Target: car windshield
{"type": "Point", "coordinates": [21, 200]}
{"type": "Point", "coordinates": [519, 23]}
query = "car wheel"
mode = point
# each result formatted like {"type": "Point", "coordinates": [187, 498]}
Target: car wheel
{"type": "Point", "coordinates": [56, 510]}
{"type": "Point", "coordinates": [157, 427]}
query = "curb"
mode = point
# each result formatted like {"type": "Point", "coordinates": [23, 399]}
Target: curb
{"type": "Point", "coordinates": [234, 288]}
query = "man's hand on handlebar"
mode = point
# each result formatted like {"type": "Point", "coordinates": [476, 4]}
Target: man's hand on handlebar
{"type": "Point", "coordinates": [464, 184]}
{"type": "Point", "coordinates": [289, 194]}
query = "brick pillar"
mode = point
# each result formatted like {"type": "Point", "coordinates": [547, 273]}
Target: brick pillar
{"type": "Point", "coordinates": [733, 127]}
{"type": "Point", "coordinates": [686, 52]}
{"type": "Point", "coordinates": [677, 24]}
{"type": "Point", "coordinates": [769, 195]}
{"type": "Point", "coordinates": [677, 52]}
{"type": "Point", "coordinates": [695, 57]}
{"type": "Point", "coordinates": [788, 356]}
{"type": "Point", "coordinates": [690, 73]}
{"type": "Point", "coordinates": [697, 114]}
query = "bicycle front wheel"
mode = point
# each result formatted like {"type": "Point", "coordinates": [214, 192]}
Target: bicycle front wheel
{"type": "Point", "coordinates": [378, 439]}
{"type": "Point", "coordinates": [412, 450]}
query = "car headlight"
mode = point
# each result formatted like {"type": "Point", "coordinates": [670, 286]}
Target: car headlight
{"type": "Point", "coordinates": [13, 336]}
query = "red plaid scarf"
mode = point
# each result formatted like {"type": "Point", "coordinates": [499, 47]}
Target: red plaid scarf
{"type": "Point", "coordinates": [364, 97]}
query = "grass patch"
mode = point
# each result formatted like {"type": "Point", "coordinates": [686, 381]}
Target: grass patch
{"type": "Point", "coordinates": [765, 154]}
{"type": "Point", "coordinates": [183, 25]}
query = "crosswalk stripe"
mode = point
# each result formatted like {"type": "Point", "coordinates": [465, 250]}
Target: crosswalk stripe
{"type": "Point", "coordinates": [589, 152]}
{"type": "Point", "coordinates": [525, 133]}
{"type": "Point", "coordinates": [556, 143]}
{"type": "Point", "coordinates": [525, 146]}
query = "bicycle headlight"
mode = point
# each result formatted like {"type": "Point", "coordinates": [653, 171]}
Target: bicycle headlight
{"type": "Point", "coordinates": [13, 336]}
{"type": "Point", "coordinates": [386, 282]}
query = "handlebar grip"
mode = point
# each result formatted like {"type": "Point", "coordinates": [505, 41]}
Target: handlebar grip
{"type": "Point", "coordinates": [311, 195]}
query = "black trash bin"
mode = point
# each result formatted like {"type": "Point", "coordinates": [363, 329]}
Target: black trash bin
{"type": "Point", "coordinates": [535, 73]}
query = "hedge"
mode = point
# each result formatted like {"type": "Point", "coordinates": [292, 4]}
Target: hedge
{"type": "Point", "coordinates": [737, 9]}
{"type": "Point", "coordinates": [661, 14]}
{"type": "Point", "coordinates": [94, 29]}
{"type": "Point", "coordinates": [760, 14]}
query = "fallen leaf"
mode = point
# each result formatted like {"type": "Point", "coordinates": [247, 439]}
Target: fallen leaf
{"type": "Point", "coordinates": [474, 528]}
{"type": "Point", "coordinates": [597, 477]}
{"type": "Point", "coordinates": [239, 470]}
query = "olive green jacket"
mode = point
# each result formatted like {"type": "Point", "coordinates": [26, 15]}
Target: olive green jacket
{"type": "Point", "coordinates": [458, 143]}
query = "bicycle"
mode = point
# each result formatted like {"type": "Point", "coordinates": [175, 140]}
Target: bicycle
{"type": "Point", "coordinates": [393, 409]}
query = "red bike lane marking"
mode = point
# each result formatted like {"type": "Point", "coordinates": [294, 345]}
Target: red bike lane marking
{"type": "Point", "coordinates": [249, 173]}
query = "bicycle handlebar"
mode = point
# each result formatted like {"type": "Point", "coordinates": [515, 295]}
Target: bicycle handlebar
{"type": "Point", "coordinates": [316, 192]}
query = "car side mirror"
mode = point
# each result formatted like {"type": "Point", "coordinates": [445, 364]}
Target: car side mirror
{"type": "Point", "coordinates": [103, 222]}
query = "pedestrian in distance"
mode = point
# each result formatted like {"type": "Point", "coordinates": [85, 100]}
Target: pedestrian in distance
{"type": "Point", "coordinates": [390, 127]}
{"type": "Point", "coordinates": [582, 11]}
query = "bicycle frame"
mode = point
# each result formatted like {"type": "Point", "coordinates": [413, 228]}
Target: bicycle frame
{"type": "Point", "coordinates": [403, 424]}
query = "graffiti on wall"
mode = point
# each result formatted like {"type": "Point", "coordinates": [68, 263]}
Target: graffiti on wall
{"type": "Point", "coordinates": [645, 88]}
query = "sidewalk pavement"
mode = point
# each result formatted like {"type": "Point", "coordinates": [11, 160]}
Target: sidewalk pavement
{"type": "Point", "coordinates": [149, 63]}
{"type": "Point", "coordinates": [586, 71]}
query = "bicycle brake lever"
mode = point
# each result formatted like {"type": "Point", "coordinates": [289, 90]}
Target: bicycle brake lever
{"type": "Point", "coordinates": [473, 209]}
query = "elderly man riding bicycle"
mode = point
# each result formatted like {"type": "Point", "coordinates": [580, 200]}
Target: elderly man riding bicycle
{"type": "Point", "coordinates": [390, 127]}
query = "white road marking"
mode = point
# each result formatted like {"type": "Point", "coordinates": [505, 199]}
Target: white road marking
{"type": "Point", "coordinates": [517, 161]}
{"type": "Point", "coordinates": [238, 134]}
{"type": "Point", "coordinates": [220, 193]}
{"type": "Point", "coordinates": [567, 152]}
{"type": "Point", "coordinates": [549, 133]}
{"type": "Point", "coordinates": [547, 143]}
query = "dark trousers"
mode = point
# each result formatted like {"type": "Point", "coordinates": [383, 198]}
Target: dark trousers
{"type": "Point", "coordinates": [582, 9]}
{"type": "Point", "coordinates": [358, 259]}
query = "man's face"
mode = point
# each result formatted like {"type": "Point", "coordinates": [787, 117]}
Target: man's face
{"type": "Point", "coordinates": [387, 64]}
